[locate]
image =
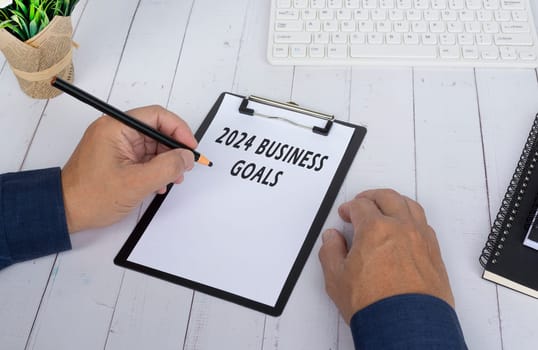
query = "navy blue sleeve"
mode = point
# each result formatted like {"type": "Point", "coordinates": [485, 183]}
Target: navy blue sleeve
{"type": "Point", "coordinates": [409, 321]}
{"type": "Point", "coordinates": [32, 216]}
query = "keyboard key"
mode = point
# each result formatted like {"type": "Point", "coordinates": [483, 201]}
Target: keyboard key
{"type": "Point", "coordinates": [337, 51]}
{"type": "Point", "coordinates": [401, 27]}
{"type": "Point", "coordinates": [321, 38]}
{"type": "Point", "coordinates": [289, 26]}
{"type": "Point", "coordinates": [369, 4]}
{"type": "Point", "coordinates": [334, 4]}
{"type": "Point", "coordinates": [339, 38]}
{"type": "Point", "coordinates": [429, 39]}
{"type": "Point", "coordinates": [450, 52]}
{"type": "Point", "coordinates": [520, 16]}
{"type": "Point", "coordinates": [330, 26]}
{"type": "Point", "coordinates": [473, 4]}
{"type": "Point", "coordinates": [489, 52]}
{"type": "Point", "coordinates": [491, 27]}
{"type": "Point", "coordinates": [507, 53]}
{"type": "Point", "coordinates": [484, 15]}
{"type": "Point", "coordinates": [352, 4]}
{"type": "Point", "coordinates": [326, 14]}
{"type": "Point", "coordinates": [513, 39]}
{"type": "Point", "coordinates": [403, 4]}
{"type": "Point", "coordinates": [287, 14]}
{"type": "Point", "coordinates": [414, 15]}
{"type": "Point", "coordinates": [393, 51]}
{"type": "Point", "coordinates": [455, 4]}
{"type": "Point", "coordinates": [527, 55]}
{"type": "Point", "coordinates": [470, 52]}
{"type": "Point", "coordinates": [375, 38]}
{"type": "Point", "coordinates": [348, 26]}
{"type": "Point", "coordinates": [317, 51]}
{"type": "Point", "coordinates": [384, 26]}
{"type": "Point", "coordinates": [361, 14]}
{"type": "Point", "coordinates": [318, 4]}
{"type": "Point", "coordinates": [501, 15]}
{"type": "Point", "coordinates": [298, 51]}
{"type": "Point", "coordinates": [419, 27]}
{"type": "Point", "coordinates": [357, 38]}
{"type": "Point", "coordinates": [294, 37]}
{"type": "Point", "coordinates": [386, 4]}
{"type": "Point", "coordinates": [512, 4]}
{"type": "Point", "coordinates": [454, 27]}
{"type": "Point", "coordinates": [280, 51]}
{"type": "Point", "coordinates": [411, 39]}
{"type": "Point", "coordinates": [491, 4]}
{"type": "Point", "coordinates": [300, 4]}
{"type": "Point", "coordinates": [313, 26]}
{"type": "Point", "coordinates": [465, 39]}
{"type": "Point", "coordinates": [447, 39]}
{"type": "Point", "coordinates": [396, 15]}
{"type": "Point", "coordinates": [484, 39]}
{"type": "Point", "coordinates": [515, 27]}
{"type": "Point", "coordinates": [393, 38]}
{"type": "Point", "coordinates": [309, 14]}
{"type": "Point", "coordinates": [366, 26]}
{"type": "Point", "coordinates": [283, 4]}
{"type": "Point", "coordinates": [438, 4]}
{"type": "Point", "coordinates": [343, 15]}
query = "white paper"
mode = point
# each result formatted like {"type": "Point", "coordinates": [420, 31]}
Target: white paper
{"type": "Point", "coordinates": [234, 234]}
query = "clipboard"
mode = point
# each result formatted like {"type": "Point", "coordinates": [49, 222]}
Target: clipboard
{"type": "Point", "coordinates": [243, 230]}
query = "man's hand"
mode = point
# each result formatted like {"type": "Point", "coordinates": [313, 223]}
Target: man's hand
{"type": "Point", "coordinates": [394, 251]}
{"type": "Point", "coordinates": [115, 167]}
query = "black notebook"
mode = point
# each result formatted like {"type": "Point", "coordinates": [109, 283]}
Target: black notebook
{"type": "Point", "coordinates": [510, 256]}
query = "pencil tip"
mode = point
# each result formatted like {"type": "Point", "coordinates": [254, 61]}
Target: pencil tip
{"type": "Point", "coordinates": [203, 160]}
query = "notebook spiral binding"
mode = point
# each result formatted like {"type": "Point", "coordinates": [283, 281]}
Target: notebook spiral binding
{"type": "Point", "coordinates": [512, 199]}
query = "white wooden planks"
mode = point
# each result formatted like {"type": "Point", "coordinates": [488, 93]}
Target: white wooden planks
{"type": "Point", "coordinates": [150, 312]}
{"type": "Point", "coordinates": [451, 187]}
{"type": "Point", "coordinates": [389, 146]}
{"type": "Point", "coordinates": [82, 291]}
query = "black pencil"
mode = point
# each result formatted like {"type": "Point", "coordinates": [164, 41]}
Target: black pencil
{"type": "Point", "coordinates": [115, 113]}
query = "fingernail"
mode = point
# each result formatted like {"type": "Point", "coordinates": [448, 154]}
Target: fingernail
{"type": "Point", "coordinates": [327, 235]}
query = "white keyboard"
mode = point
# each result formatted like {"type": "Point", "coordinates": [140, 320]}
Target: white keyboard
{"type": "Point", "coordinates": [472, 33]}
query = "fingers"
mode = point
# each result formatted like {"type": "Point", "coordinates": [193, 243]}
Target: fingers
{"type": "Point", "coordinates": [332, 253]}
{"type": "Point", "coordinates": [166, 122]}
{"type": "Point", "coordinates": [163, 169]}
{"type": "Point", "coordinates": [389, 202]}
{"type": "Point", "coordinates": [359, 210]}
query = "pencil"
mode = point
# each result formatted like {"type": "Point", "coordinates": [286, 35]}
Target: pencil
{"type": "Point", "coordinates": [115, 113]}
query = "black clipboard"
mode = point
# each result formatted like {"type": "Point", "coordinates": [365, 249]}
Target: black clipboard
{"type": "Point", "coordinates": [248, 109]}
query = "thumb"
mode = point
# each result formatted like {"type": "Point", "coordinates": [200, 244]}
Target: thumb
{"type": "Point", "coordinates": [332, 253]}
{"type": "Point", "coordinates": [165, 168]}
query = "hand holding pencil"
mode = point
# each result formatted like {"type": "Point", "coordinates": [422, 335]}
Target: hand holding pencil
{"type": "Point", "coordinates": [125, 118]}
{"type": "Point", "coordinates": [114, 168]}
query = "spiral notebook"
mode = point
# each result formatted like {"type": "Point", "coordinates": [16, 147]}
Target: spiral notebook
{"type": "Point", "coordinates": [510, 256]}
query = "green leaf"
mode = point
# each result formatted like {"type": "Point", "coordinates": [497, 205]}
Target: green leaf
{"type": "Point", "coordinates": [33, 29]}
{"type": "Point", "coordinates": [20, 5]}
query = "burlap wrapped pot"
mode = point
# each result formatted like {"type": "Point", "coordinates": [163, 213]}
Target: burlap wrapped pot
{"type": "Point", "coordinates": [36, 61]}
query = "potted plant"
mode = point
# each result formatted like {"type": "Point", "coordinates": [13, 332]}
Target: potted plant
{"type": "Point", "coordinates": [35, 38]}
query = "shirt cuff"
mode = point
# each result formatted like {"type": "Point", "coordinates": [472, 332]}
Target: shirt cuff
{"type": "Point", "coordinates": [33, 215]}
{"type": "Point", "coordinates": [409, 321]}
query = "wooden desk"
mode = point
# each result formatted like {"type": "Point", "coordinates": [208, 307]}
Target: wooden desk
{"type": "Point", "coordinates": [448, 137]}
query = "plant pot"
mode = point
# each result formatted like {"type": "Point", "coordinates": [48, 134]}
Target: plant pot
{"type": "Point", "coordinates": [36, 61]}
